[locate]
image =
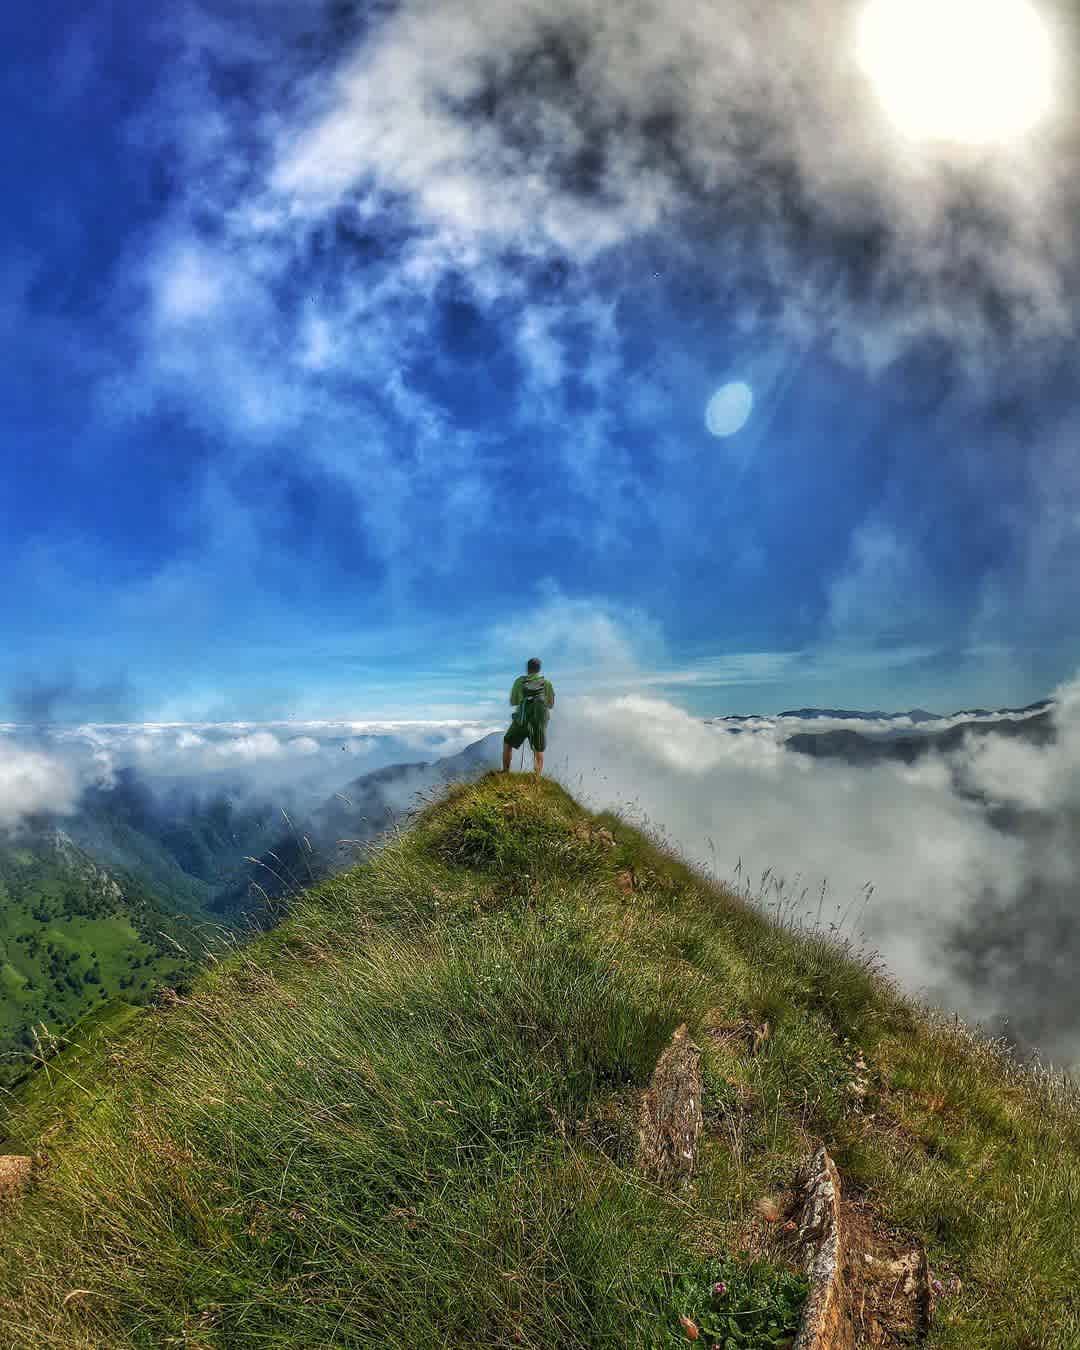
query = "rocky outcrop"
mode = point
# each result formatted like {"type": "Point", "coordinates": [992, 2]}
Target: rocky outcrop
{"type": "Point", "coordinates": [826, 1323]}
{"type": "Point", "coordinates": [14, 1176]}
{"type": "Point", "coordinates": [671, 1116]}
{"type": "Point", "coordinates": [869, 1284]}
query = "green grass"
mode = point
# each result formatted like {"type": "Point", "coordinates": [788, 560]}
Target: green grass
{"type": "Point", "coordinates": [407, 1117]}
{"type": "Point", "coordinates": [71, 937]}
{"type": "Point", "coordinates": [67, 1077]}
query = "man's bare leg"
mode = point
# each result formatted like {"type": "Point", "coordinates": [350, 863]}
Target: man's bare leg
{"type": "Point", "coordinates": [508, 755]}
{"type": "Point", "coordinates": [538, 762]}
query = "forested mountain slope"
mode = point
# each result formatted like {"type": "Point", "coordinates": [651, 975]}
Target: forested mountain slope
{"type": "Point", "coordinates": [73, 934]}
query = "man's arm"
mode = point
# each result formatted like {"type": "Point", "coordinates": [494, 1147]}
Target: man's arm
{"type": "Point", "coordinates": [550, 694]}
{"type": "Point", "coordinates": [515, 692]}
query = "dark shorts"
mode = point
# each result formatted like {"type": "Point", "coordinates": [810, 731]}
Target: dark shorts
{"type": "Point", "coordinates": [535, 732]}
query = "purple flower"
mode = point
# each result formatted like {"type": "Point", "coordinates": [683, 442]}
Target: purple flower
{"type": "Point", "coordinates": [937, 1287]}
{"type": "Point", "coordinates": [719, 1289]}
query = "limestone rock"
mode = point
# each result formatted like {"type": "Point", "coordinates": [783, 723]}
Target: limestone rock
{"type": "Point", "coordinates": [671, 1117]}
{"type": "Point", "coordinates": [14, 1176]}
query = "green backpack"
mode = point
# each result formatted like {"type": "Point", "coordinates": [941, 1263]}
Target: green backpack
{"type": "Point", "coordinates": [533, 706]}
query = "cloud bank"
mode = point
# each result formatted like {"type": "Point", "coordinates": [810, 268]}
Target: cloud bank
{"type": "Point", "coordinates": [32, 780]}
{"type": "Point", "coordinates": [45, 768]}
{"type": "Point", "coordinates": [973, 901]}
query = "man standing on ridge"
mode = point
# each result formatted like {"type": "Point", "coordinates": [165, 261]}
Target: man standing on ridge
{"type": "Point", "coordinates": [532, 698]}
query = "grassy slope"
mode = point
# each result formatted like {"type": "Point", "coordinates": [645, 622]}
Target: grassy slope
{"type": "Point", "coordinates": [65, 1077]}
{"type": "Point", "coordinates": [72, 936]}
{"type": "Point", "coordinates": [406, 1118]}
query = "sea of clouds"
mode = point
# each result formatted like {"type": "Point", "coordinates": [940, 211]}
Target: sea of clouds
{"type": "Point", "coordinates": [46, 768]}
{"type": "Point", "coordinates": [961, 869]}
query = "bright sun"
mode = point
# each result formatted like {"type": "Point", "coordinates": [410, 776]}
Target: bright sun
{"type": "Point", "coordinates": [960, 70]}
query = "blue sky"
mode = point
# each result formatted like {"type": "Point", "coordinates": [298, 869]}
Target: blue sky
{"type": "Point", "coordinates": [354, 353]}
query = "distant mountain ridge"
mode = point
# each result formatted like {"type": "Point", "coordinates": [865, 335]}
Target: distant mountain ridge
{"type": "Point", "coordinates": [915, 715]}
{"type": "Point", "coordinates": [865, 747]}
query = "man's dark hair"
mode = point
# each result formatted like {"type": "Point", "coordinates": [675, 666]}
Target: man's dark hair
{"type": "Point", "coordinates": [534, 664]}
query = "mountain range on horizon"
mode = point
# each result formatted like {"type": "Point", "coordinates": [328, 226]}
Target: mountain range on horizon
{"type": "Point", "coordinates": [914, 715]}
{"type": "Point", "coordinates": [865, 746]}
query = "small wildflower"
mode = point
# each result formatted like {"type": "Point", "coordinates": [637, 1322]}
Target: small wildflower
{"type": "Point", "coordinates": [719, 1289]}
{"type": "Point", "coordinates": [937, 1287]}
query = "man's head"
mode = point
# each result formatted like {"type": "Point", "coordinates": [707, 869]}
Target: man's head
{"type": "Point", "coordinates": [534, 665]}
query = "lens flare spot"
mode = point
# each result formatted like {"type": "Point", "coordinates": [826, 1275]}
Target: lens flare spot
{"type": "Point", "coordinates": [729, 409]}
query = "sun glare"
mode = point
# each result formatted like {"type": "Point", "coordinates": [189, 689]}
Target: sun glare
{"type": "Point", "coordinates": [974, 71]}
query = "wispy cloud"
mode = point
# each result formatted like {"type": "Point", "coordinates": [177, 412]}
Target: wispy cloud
{"type": "Point", "coordinates": [440, 292]}
{"type": "Point", "coordinates": [577, 127]}
{"type": "Point", "coordinates": [449, 142]}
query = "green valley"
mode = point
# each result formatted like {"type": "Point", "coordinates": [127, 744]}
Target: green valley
{"type": "Point", "coordinates": [72, 935]}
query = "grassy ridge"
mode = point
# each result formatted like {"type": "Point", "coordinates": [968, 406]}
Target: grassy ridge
{"type": "Point", "coordinates": [407, 1118]}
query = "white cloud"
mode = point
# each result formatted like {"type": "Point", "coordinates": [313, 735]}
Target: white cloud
{"type": "Point", "coordinates": [46, 769]}
{"type": "Point", "coordinates": [462, 146]}
{"type": "Point", "coordinates": [403, 112]}
{"type": "Point", "coordinates": [579, 636]}
{"type": "Point", "coordinates": [885, 587]}
{"type": "Point", "coordinates": [187, 285]}
{"type": "Point", "coordinates": [929, 854]}
{"type": "Point", "coordinates": [464, 138]}
{"type": "Point", "coordinates": [1038, 778]}
{"type": "Point", "coordinates": [32, 781]}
